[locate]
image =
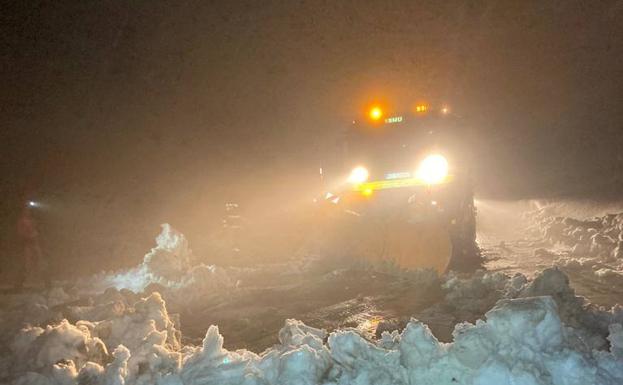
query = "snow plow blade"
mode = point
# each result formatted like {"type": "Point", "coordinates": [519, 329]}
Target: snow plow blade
{"type": "Point", "coordinates": [397, 242]}
{"type": "Point", "coordinates": [418, 246]}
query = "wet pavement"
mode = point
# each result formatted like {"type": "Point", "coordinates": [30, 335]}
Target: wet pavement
{"type": "Point", "coordinates": [358, 299]}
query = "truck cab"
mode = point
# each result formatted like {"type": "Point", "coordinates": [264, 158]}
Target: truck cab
{"type": "Point", "coordinates": [406, 179]}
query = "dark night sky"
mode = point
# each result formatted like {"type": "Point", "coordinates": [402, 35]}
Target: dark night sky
{"type": "Point", "coordinates": [143, 107]}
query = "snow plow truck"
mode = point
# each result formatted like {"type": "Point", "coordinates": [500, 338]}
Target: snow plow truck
{"type": "Point", "coordinates": [396, 189]}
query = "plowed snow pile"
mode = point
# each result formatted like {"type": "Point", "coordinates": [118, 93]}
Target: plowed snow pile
{"type": "Point", "coordinates": [584, 238]}
{"type": "Point", "coordinates": [521, 341]}
{"type": "Point", "coordinates": [167, 267]}
{"type": "Point", "coordinates": [523, 332]}
{"type": "Point", "coordinates": [594, 243]}
{"type": "Point", "coordinates": [537, 332]}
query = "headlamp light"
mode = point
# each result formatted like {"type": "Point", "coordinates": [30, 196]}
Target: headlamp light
{"type": "Point", "coordinates": [432, 170]}
{"type": "Point", "coordinates": [359, 175]}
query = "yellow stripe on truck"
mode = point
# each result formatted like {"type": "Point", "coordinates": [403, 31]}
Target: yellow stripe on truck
{"type": "Point", "coordinates": [393, 183]}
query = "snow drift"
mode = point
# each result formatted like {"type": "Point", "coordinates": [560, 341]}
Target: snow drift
{"type": "Point", "coordinates": [592, 244]}
{"type": "Point", "coordinates": [537, 332]}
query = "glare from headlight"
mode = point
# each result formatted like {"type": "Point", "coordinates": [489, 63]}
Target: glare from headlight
{"type": "Point", "coordinates": [433, 169]}
{"type": "Point", "coordinates": [359, 175]}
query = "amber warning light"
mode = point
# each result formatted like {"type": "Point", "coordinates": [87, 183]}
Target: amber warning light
{"type": "Point", "coordinates": [376, 113]}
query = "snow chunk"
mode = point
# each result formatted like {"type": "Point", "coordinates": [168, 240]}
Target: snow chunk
{"type": "Point", "coordinates": [616, 340]}
{"type": "Point", "coordinates": [168, 265]}
{"type": "Point", "coordinates": [37, 348]}
{"type": "Point", "coordinates": [170, 259]}
{"type": "Point", "coordinates": [527, 321]}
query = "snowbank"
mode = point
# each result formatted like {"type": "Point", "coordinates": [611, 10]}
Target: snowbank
{"type": "Point", "coordinates": [469, 298]}
{"type": "Point", "coordinates": [521, 341]}
{"type": "Point", "coordinates": [593, 245]}
{"type": "Point", "coordinates": [537, 332]}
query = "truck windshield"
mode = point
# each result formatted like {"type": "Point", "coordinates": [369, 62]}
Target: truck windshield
{"type": "Point", "coordinates": [394, 147]}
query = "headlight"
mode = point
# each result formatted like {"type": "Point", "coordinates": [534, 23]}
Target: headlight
{"type": "Point", "coordinates": [359, 175]}
{"type": "Point", "coordinates": [433, 169]}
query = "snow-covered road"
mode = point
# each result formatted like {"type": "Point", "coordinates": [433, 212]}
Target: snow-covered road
{"type": "Point", "coordinates": [528, 236]}
{"type": "Point", "coordinates": [519, 322]}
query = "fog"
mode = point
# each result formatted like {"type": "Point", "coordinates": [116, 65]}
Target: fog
{"type": "Point", "coordinates": [121, 116]}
